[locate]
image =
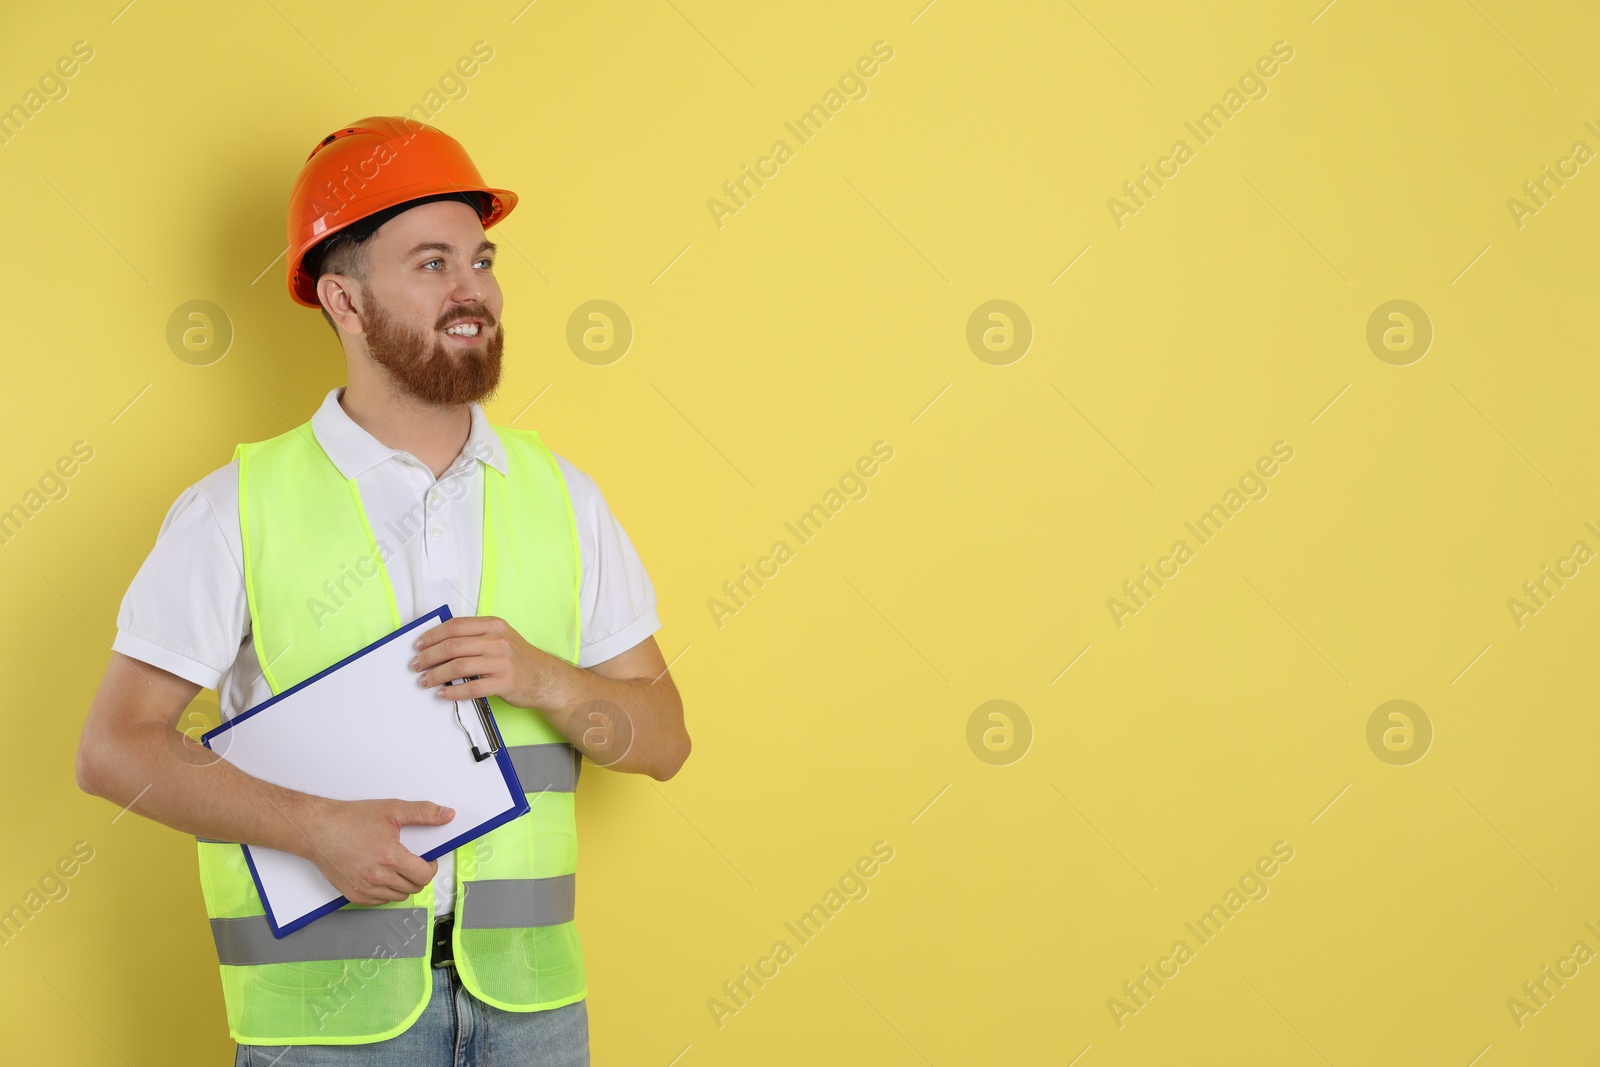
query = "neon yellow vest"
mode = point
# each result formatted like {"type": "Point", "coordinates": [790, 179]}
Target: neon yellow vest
{"type": "Point", "coordinates": [362, 974]}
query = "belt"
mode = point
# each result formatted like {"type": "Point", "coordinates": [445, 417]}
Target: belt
{"type": "Point", "coordinates": [442, 955]}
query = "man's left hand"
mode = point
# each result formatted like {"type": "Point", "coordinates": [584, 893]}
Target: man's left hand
{"type": "Point", "coordinates": [508, 666]}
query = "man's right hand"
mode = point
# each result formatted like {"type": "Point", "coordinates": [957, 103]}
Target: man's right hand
{"type": "Point", "coordinates": [356, 845]}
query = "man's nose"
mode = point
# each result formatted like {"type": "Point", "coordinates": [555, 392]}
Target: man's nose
{"type": "Point", "coordinates": [469, 290]}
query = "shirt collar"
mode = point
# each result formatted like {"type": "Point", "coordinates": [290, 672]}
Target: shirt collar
{"type": "Point", "coordinates": [355, 451]}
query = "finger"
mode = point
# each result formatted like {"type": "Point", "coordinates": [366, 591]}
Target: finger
{"type": "Point", "coordinates": [407, 875]}
{"type": "Point", "coordinates": [419, 813]}
{"type": "Point", "coordinates": [460, 667]}
{"type": "Point", "coordinates": [414, 871]}
{"type": "Point", "coordinates": [470, 689]}
{"type": "Point", "coordinates": [396, 886]}
{"type": "Point", "coordinates": [374, 895]}
{"type": "Point", "coordinates": [435, 634]}
{"type": "Point", "coordinates": [444, 651]}
{"type": "Point", "coordinates": [460, 626]}
{"type": "Point", "coordinates": [437, 651]}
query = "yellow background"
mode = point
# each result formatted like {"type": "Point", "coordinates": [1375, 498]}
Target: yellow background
{"type": "Point", "coordinates": [832, 711]}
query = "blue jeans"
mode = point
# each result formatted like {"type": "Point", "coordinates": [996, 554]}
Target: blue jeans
{"type": "Point", "coordinates": [454, 1030]}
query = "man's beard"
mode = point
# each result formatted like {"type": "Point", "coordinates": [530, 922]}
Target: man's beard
{"type": "Point", "coordinates": [421, 365]}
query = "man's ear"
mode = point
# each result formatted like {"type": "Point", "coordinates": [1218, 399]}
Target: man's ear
{"type": "Point", "coordinates": [337, 293]}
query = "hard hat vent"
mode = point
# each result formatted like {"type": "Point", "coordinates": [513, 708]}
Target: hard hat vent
{"type": "Point", "coordinates": [336, 134]}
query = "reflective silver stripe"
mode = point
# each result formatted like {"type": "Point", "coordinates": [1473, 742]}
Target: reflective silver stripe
{"type": "Point", "coordinates": [214, 841]}
{"type": "Point", "coordinates": [500, 902]}
{"type": "Point", "coordinates": [545, 768]}
{"type": "Point", "coordinates": [367, 933]}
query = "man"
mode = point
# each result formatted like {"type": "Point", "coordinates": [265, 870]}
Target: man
{"type": "Point", "coordinates": [396, 496]}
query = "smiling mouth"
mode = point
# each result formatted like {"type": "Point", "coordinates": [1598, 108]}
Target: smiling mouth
{"type": "Point", "coordinates": [466, 331]}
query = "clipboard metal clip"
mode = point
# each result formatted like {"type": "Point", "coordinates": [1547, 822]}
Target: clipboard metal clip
{"type": "Point", "coordinates": [488, 732]}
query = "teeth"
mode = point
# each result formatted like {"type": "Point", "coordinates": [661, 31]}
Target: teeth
{"type": "Point", "coordinates": [466, 330]}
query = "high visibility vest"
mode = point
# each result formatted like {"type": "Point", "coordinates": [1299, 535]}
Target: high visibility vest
{"type": "Point", "coordinates": [362, 974]}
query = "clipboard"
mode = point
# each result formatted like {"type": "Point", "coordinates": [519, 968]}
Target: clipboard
{"type": "Point", "coordinates": [363, 729]}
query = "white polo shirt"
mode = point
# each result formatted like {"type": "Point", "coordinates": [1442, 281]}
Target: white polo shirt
{"type": "Point", "coordinates": [186, 609]}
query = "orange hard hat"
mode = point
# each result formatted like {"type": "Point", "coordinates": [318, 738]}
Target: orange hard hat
{"type": "Point", "coordinates": [366, 170]}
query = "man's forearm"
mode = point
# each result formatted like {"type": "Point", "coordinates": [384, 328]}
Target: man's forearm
{"type": "Point", "coordinates": [159, 773]}
{"type": "Point", "coordinates": [633, 725]}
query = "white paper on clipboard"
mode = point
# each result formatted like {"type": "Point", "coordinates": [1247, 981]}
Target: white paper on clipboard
{"type": "Point", "coordinates": [365, 730]}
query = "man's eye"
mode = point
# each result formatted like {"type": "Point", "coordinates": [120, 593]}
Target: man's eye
{"type": "Point", "coordinates": [432, 261]}
{"type": "Point", "coordinates": [488, 261]}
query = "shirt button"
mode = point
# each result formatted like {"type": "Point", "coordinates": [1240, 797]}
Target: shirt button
{"type": "Point", "coordinates": [433, 498]}
{"type": "Point", "coordinates": [438, 532]}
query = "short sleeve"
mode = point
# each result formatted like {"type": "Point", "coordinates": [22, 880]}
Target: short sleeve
{"type": "Point", "coordinates": [618, 601]}
{"type": "Point", "coordinates": [185, 610]}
